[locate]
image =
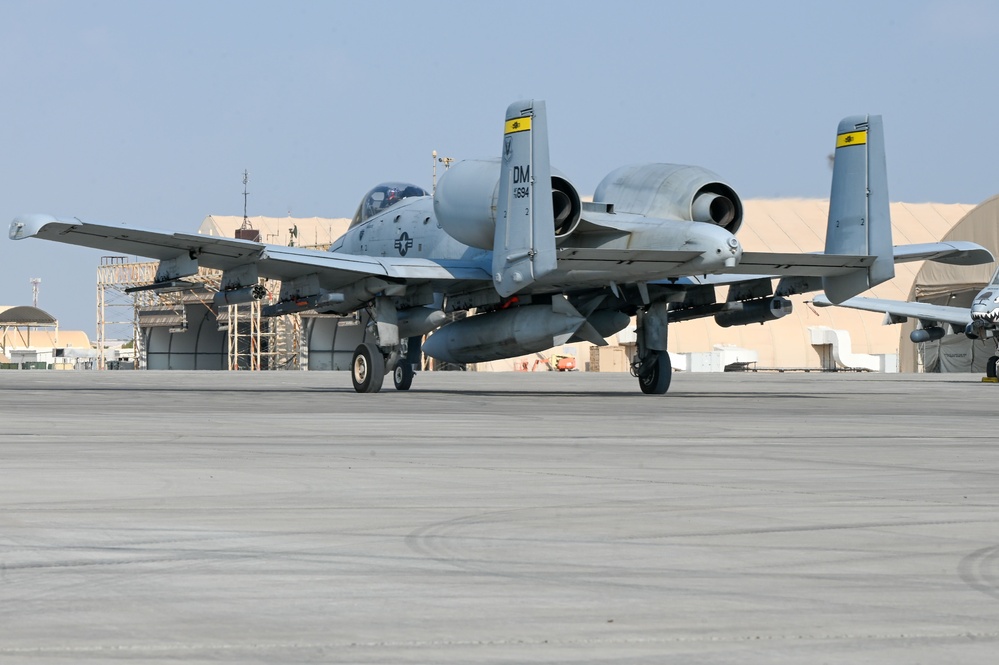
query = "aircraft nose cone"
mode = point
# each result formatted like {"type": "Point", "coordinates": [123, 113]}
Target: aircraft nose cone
{"type": "Point", "coordinates": [981, 310]}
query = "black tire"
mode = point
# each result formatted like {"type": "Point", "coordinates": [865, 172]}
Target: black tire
{"type": "Point", "coordinates": [367, 369]}
{"type": "Point", "coordinates": [991, 367]}
{"type": "Point", "coordinates": [403, 375]}
{"type": "Point", "coordinates": [656, 374]}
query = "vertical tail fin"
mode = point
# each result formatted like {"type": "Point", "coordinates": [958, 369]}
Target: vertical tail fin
{"type": "Point", "coordinates": [859, 221]}
{"type": "Point", "coordinates": [524, 241]}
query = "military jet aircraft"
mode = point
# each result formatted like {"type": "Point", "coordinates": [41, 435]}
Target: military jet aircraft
{"type": "Point", "coordinates": [980, 321]}
{"type": "Point", "coordinates": [511, 238]}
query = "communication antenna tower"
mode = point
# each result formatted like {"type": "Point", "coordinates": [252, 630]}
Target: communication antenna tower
{"type": "Point", "coordinates": [246, 220]}
{"type": "Point", "coordinates": [35, 283]}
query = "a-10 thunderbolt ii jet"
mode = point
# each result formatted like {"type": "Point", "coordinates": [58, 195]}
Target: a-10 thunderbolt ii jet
{"type": "Point", "coordinates": [511, 238]}
{"type": "Point", "coordinates": [980, 321]}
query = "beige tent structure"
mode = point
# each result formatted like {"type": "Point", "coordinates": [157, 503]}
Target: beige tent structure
{"type": "Point", "coordinates": [805, 339]}
{"type": "Point", "coordinates": [799, 225]}
{"type": "Point", "coordinates": [299, 231]}
{"type": "Point", "coordinates": [956, 286]}
{"type": "Point", "coordinates": [809, 337]}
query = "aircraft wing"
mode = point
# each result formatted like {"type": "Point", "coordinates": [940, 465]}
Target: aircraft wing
{"type": "Point", "coordinates": [954, 252]}
{"type": "Point", "coordinates": [272, 261]}
{"type": "Point", "coordinates": [799, 265]}
{"type": "Point", "coordinates": [599, 258]}
{"type": "Point", "coordinates": [776, 265]}
{"type": "Point", "coordinates": [958, 316]}
{"type": "Point", "coordinates": [213, 252]}
{"type": "Point", "coordinates": [279, 262]}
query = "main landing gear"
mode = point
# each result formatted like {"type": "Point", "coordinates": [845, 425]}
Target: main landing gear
{"type": "Point", "coordinates": [367, 369]}
{"type": "Point", "coordinates": [654, 373]}
{"type": "Point", "coordinates": [652, 366]}
{"type": "Point", "coordinates": [370, 365]}
{"type": "Point", "coordinates": [402, 375]}
{"type": "Point", "coordinates": [992, 367]}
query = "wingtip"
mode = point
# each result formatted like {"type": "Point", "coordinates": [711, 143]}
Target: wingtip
{"type": "Point", "coordinates": [25, 226]}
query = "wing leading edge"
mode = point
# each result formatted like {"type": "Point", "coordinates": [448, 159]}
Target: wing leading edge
{"type": "Point", "coordinates": [957, 316]}
{"type": "Point", "coordinates": [272, 261]}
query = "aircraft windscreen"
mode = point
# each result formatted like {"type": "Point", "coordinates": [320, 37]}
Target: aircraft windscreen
{"type": "Point", "coordinates": [383, 197]}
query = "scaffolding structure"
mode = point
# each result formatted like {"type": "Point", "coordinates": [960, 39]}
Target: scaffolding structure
{"type": "Point", "coordinates": [254, 342]}
{"type": "Point", "coordinates": [117, 310]}
{"type": "Point", "coordinates": [250, 338]}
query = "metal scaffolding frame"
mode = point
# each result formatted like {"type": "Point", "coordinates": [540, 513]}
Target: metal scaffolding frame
{"type": "Point", "coordinates": [249, 341]}
{"type": "Point", "coordinates": [117, 309]}
{"type": "Point", "coordinates": [254, 342]}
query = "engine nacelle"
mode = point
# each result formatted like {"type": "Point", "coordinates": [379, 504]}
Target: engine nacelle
{"type": "Point", "coordinates": [672, 191]}
{"type": "Point", "coordinates": [465, 202]}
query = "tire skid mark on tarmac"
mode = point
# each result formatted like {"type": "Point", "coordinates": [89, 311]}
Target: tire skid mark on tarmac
{"type": "Point", "coordinates": [980, 570]}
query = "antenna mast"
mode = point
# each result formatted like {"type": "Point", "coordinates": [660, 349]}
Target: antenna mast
{"type": "Point", "coordinates": [35, 283]}
{"type": "Point", "coordinates": [246, 220]}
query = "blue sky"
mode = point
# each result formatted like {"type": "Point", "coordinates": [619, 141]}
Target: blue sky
{"type": "Point", "coordinates": [147, 113]}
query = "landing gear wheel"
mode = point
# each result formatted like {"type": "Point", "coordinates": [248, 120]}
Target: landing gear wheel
{"type": "Point", "coordinates": [991, 367]}
{"type": "Point", "coordinates": [655, 375]}
{"type": "Point", "coordinates": [367, 370]}
{"type": "Point", "coordinates": [403, 375]}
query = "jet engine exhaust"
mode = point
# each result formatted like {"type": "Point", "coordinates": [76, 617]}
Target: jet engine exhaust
{"type": "Point", "coordinates": [566, 205]}
{"type": "Point", "coordinates": [466, 198]}
{"type": "Point", "coordinates": [713, 208]}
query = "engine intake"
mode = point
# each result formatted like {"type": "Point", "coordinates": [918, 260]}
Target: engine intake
{"type": "Point", "coordinates": [466, 197]}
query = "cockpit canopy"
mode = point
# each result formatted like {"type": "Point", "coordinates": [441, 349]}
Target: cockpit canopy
{"type": "Point", "coordinates": [383, 197]}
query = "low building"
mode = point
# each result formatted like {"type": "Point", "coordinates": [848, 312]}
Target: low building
{"type": "Point", "coordinates": [30, 339]}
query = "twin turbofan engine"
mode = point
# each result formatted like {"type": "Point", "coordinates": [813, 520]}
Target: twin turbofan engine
{"type": "Point", "coordinates": [465, 203]}
{"type": "Point", "coordinates": [465, 200]}
{"type": "Point", "coordinates": [672, 191]}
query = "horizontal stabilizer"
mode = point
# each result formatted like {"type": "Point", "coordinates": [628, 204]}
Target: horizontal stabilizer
{"type": "Point", "coordinates": [953, 252]}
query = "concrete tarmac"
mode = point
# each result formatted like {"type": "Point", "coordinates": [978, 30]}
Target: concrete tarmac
{"type": "Point", "coordinates": [279, 517]}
